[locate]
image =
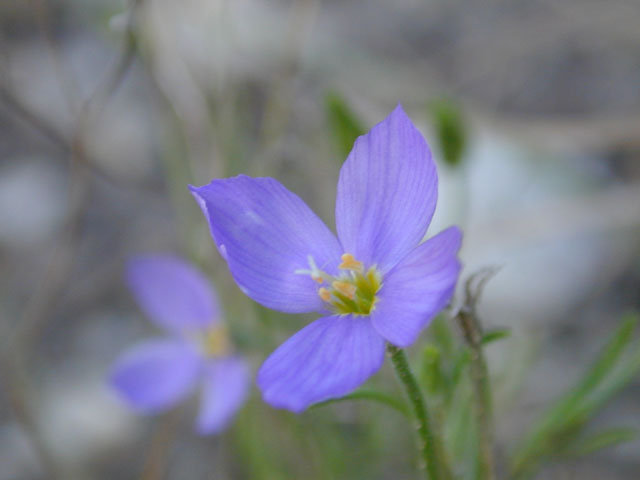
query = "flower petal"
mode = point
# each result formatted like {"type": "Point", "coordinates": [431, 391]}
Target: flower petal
{"type": "Point", "coordinates": [418, 288]}
{"type": "Point", "coordinates": [266, 233]}
{"type": "Point", "coordinates": [226, 384]}
{"type": "Point", "coordinates": [156, 374]}
{"type": "Point", "coordinates": [326, 359]}
{"type": "Point", "coordinates": [387, 192]}
{"type": "Point", "coordinates": [172, 293]}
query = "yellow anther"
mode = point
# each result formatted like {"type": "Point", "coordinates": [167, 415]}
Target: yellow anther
{"type": "Point", "coordinates": [350, 292]}
{"type": "Point", "coordinates": [215, 341]}
{"type": "Point", "coordinates": [350, 263]}
{"type": "Point", "coordinates": [325, 294]}
{"type": "Point", "coordinates": [345, 288]}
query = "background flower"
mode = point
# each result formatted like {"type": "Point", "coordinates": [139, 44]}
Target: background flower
{"type": "Point", "coordinates": [374, 282]}
{"type": "Point", "coordinates": [156, 374]}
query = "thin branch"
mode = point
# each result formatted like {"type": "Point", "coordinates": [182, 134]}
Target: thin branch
{"type": "Point", "coordinates": [18, 396]}
{"type": "Point", "coordinates": [13, 363]}
{"type": "Point", "coordinates": [45, 128]}
{"type": "Point", "coordinates": [90, 109]}
{"type": "Point", "coordinates": [156, 459]}
{"type": "Point", "coordinates": [116, 75]}
{"type": "Point", "coordinates": [67, 82]}
{"type": "Point", "coordinates": [59, 269]}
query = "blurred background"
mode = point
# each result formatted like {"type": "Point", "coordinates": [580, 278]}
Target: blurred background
{"type": "Point", "coordinates": [108, 109]}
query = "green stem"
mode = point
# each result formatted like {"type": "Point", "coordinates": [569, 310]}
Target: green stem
{"type": "Point", "coordinates": [426, 440]}
{"type": "Point", "coordinates": [472, 332]}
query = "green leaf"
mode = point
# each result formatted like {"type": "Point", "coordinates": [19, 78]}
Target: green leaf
{"type": "Point", "coordinates": [604, 439]}
{"type": "Point", "coordinates": [494, 335]}
{"type": "Point", "coordinates": [431, 372]}
{"type": "Point", "coordinates": [561, 424]}
{"type": "Point", "coordinates": [443, 338]}
{"type": "Point", "coordinates": [344, 124]}
{"type": "Point", "coordinates": [461, 360]}
{"type": "Point", "coordinates": [628, 368]}
{"type": "Point", "coordinates": [610, 354]}
{"type": "Point", "coordinates": [460, 432]}
{"type": "Point", "coordinates": [372, 395]}
{"type": "Point", "coordinates": [451, 130]}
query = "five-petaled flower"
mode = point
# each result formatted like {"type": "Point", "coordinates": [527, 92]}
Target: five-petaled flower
{"type": "Point", "coordinates": [372, 283]}
{"type": "Point", "coordinates": [156, 374]}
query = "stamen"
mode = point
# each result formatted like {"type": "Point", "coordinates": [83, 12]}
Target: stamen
{"type": "Point", "coordinates": [215, 341]}
{"type": "Point", "coordinates": [350, 263]}
{"type": "Point", "coordinates": [351, 292]}
{"type": "Point", "coordinates": [313, 271]}
{"type": "Point", "coordinates": [346, 288]}
{"type": "Point", "coordinates": [325, 294]}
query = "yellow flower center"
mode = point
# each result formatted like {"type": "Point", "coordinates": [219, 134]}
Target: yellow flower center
{"type": "Point", "coordinates": [215, 342]}
{"type": "Point", "coordinates": [353, 291]}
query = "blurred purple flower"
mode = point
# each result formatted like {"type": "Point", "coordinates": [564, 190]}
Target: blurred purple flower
{"type": "Point", "coordinates": [375, 282]}
{"type": "Point", "coordinates": [156, 374]}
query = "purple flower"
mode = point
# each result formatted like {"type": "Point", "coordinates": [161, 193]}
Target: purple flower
{"type": "Point", "coordinates": [372, 283]}
{"type": "Point", "coordinates": [156, 374]}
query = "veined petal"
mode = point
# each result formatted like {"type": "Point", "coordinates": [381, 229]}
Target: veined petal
{"type": "Point", "coordinates": [266, 234]}
{"type": "Point", "coordinates": [328, 358]}
{"type": "Point", "coordinates": [172, 293]}
{"type": "Point", "coordinates": [225, 388]}
{"type": "Point", "coordinates": [156, 374]}
{"type": "Point", "coordinates": [418, 288]}
{"type": "Point", "coordinates": [387, 192]}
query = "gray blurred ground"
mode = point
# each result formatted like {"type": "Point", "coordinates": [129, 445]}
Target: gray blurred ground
{"type": "Point", "coordinates": [550, 189]}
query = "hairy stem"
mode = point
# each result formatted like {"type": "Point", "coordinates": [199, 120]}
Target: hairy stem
{"type": "Point", "coordinates": [426, 438]}
{"type": "Point", "coordinates": [472, 333]}
{"type": "Point", "coordinates": [471, 328]}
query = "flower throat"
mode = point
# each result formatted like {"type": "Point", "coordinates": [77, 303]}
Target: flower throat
{"type": "Point", "coordinates": [353, 291]}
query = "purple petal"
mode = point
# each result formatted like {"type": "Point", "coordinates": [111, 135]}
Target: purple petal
{"type": "Point", "coordinates": [266, 233]}
{"type": "Point", "coordinates": [418, 288]}
{"type": "Point", "coordinates": [156, 374]}
{"type": "Point", "coordinates": [172, 293]}
{"type": "Point", "coordinates": [226, 384]}
{"type": "Point", "coordinates": [328, 358]}
{"type": "Point", "coordinates": [387, 192]}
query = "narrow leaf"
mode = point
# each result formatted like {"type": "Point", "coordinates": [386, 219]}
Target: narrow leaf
{"type": "Point", "coordinates": [495, 335]}
{"type": "Point", "coordinates": [561, 423]}
{"type": "Point", "coordinates": [372, 395]}
{"type": "Point", "coordinates": [604, 439]}
{"type": "Point", "coordinates": [610, 354]}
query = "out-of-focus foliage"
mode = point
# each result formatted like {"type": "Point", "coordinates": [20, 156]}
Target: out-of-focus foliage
{"type": "Point", "coordinates": [451, 130]}
{"type": "Point", "coordinates": [560, 431]}
{"type": "Point", "coordinates": [495, 335]}
{"type": "Point", "coordinates": [344, 125]}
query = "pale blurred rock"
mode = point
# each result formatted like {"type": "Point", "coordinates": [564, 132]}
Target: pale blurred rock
{"type": "Point", "coordinates": [82, 419]}
{"type": "Point", "coordinates": [33, 196]}
{"type": "Point", "coordinates": [17, 457]}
